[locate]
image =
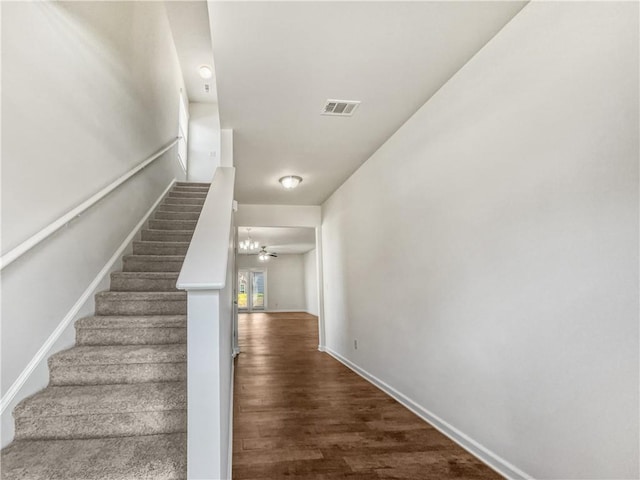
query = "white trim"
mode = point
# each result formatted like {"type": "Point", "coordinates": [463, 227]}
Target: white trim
{"type": "Point", "coordinates": [492, 460]}
{"type": "Point", "coordinates": [205, 265]}
{"type": "Point", "coordinates": [15, 253]}
{"type": "Point", "coordinates": [230, 452]}
{"type": "Point", "coordinates": [279, 311]}
{"type": "Point", "coordinates": [42, 353]}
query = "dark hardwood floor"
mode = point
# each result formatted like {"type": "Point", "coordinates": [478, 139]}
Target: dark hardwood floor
{"type": "Point", "coordinates": [299, 413]}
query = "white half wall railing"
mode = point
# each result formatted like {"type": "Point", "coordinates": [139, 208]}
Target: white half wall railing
{"type": "Point", "coordinates": [207, 276]}
{"type": "Point", "coordinates": [15, 253]}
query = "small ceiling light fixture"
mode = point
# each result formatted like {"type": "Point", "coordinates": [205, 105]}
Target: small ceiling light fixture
{"type": "Point", "coordinates": [248, 244]}
{"type": "Point", "coordinates": [290, 181]}
{"type": "Point", "coordinates": [205, 71]}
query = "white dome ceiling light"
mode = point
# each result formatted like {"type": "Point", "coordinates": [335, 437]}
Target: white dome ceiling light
{"type": "Point", "coordinates": [205, 71]}
{"type": "Point", "coordinates": [290, 181]}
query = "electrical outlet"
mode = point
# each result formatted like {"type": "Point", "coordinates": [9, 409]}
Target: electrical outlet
{"type": "Point", "coordinates": [355, 344]}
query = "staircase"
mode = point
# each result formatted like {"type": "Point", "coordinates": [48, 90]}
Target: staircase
{"type": "Point", "coordinates": [115, 407]}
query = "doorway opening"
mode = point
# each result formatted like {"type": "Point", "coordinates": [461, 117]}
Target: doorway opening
{"type": "Point", "coordinates": [252, 290]}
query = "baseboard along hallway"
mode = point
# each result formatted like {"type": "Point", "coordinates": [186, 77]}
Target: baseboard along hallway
{"type": "Point", "coordinates": [299, 413]}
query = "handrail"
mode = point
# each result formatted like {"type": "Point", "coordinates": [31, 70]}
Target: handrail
{"type": "Point", "coordinates": [15, 253]}
{"type": "Point", "coordinates": [205, 265]}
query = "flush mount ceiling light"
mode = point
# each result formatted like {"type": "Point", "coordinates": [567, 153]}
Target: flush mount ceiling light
{"type": "Point", "coordinates": [290, 181]}
{"type": "Point", "coordinates": [205, 71]}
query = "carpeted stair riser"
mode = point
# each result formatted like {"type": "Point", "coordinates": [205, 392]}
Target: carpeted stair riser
{"type": "Point", "coordinates": [102, 411]}
{"type": "Point", "coordinates": [158, 457]}
{"type": "Point", "coordinates": [132, 303]}
{"type": "Point", "coordinates": [168, 207]}
{"type": "Point", "coordinates": [166, 235]}
{"type": "Point", "coordinates": [183, 201]}
{"type": "Point", "coordinates": [101, 425]}
{"type": "Point", "coordinates": [160, 248]}
{"type": "Point", "coordinates": [183, 194]}
{"type": "Point", "coordinates": [204, 188]}
{"type": "Point", "coordinates": [132, 330]}
{"type": "Point", "coordinates": [87, 365]}
{"type": "Point", "coordinates": [162, 215]}
{"type": "Point", "coordinates": [192, 184]}
{"type": "Point", "coordinates": [172, 224]}
{"type": "Point", "coordinates": [177, 190]}
{"type": "Point", "coordinates": [152, 263]}
{"type": "Point", "coordinates": [112, 374]}
{"type": "Point", "coordinates": [144, 281]}
{"type": "Point", "coordinates": [130, 336]}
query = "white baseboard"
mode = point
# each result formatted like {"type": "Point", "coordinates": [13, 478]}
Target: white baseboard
{"type": "Point", "coordinates": [270, 310]}
{"type": "Point", "coordinates": [230, 453]}
{"type": "Point", "coordinates": [15, 393]}
{"type": "Point", "coordinates": [494, 461]}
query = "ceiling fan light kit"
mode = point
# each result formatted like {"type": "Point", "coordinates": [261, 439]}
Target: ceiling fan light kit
{"type": "Point", "coordinates": [290, 181]}
{"type": "Point", "coordinates": [263, 255]}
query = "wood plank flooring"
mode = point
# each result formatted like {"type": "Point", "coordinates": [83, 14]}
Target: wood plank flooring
{"type": "Point", "coordinates": [299, 413]}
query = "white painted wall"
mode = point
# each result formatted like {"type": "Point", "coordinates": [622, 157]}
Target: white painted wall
{"type": "Point", "coordinates": [226, 147]}
{"type": "Point", "coordinates": [285, 281]}
{"type": "Point", "coordinates": [279, 215]}
{"type": "Point", "coordinates": [89, 90]}
{"type": "Point", "coordinates": [204, 141]}
{"type": "Point", "coordinates": [311, 282]}
{"type": "Point", "coordinates": [486, 256]}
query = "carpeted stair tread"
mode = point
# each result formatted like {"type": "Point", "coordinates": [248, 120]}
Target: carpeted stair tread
{"type": "Point", "coordinates": [191, 187]}
{"type": "Point", "coordinates": [164, 215]}
{"type": "Point", "coordinates": [145, 275]}
{"type": "Point", "coordinates": [132, 330]}
{"type": "Point", "coordinates": [183, 201]}
{"type": "Point", "coordinates": [104, 399]}
{"type": "Point", "coordinates": [148, 457]}
{"type": "Point", "coordinates": [186, 194]}
{"type": "Point", "coordinates": [156, 258]}
{"type": "Point", "coordinates": [172, 224]}
{"type": "Point", "coordinates": [152, 263]}
{"type": "Point", "coordinates": [120, 354]}
{"type": "Point", "coordinates": [144, 281]}
{"type": "Point", "coordinates": [146, 321]}
{"type": "Point", "coordinates": [144, 296]}
{"type": "Point", "coordinates": [141, 303]}
{"type": "Point", "coordinates": [179, 208]}
{"type": "Point", "coordinates": [151, 247]}
{"type": "Point", "coordinates": [151, 234]}
{"type": "Point", "coordinates": [118, 364]}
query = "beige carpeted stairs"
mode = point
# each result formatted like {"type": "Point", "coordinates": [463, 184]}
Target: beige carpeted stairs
{"type": "Point", "coordinates": [115, 407]}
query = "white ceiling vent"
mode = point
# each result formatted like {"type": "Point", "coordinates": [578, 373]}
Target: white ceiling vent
{"type": "Point", "coordinates": [342, 108]}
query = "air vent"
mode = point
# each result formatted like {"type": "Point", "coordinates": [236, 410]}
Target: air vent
{"type": "Point", "coordinates": [342, 108]}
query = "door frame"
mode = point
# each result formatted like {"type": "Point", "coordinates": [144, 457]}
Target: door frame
{"type": "Point", "coordinates": [250, 308]}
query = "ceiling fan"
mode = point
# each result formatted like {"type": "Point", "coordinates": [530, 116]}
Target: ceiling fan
{"type": "Point", "coordinates": [263, 255]}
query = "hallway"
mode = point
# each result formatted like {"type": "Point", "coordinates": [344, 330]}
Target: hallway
{"type": "Point", "coordinates": [299, 413]}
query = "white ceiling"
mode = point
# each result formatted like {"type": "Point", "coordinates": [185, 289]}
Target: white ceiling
{"type": "Point", "coordinates": [189, 22]}
{"type": "Point", "coordinates": [281, 240]}
{"type": "Point", "coordinates": [277, 62]}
